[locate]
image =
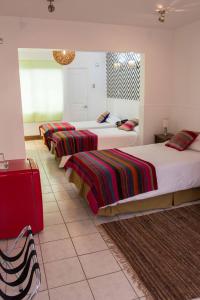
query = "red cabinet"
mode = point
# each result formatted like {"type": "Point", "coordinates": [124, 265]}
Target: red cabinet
{"type": "Point", "coordinates": [20, 198]}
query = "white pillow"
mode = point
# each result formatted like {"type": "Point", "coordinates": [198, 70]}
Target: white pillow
{"type": "Point", "coordinates": [112, 119]}
{"type": "Point", "coordinates": [195, 145]}
{"type": "Point", "coordinates": [136, 128]}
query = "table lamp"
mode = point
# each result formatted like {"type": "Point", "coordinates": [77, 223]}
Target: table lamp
{"type": "Point", "coordinates": [165, 126]}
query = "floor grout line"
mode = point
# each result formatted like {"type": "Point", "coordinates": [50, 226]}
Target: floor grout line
{"type": "Point", "coordinates": [75, 237]}
{"type": "Point", "coordinates": [74, 247]}
{"type": "Point", "coordinates": [118, 264]}
{"type": "Point", "coordinates": [48, 173]}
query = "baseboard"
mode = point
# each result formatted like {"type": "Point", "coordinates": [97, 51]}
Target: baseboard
{"type": "Point", "coordinates": [32, 137]}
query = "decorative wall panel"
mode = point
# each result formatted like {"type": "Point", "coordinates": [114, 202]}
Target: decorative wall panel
{"type": "Point", "coordinates": [123, 75]}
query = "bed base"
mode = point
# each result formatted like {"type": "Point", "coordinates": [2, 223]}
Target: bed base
{"type": "Point", "coordinates": [158, 202]}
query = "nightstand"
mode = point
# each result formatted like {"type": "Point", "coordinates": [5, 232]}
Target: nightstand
{"type": "Point", "coordinates": [161, 138]}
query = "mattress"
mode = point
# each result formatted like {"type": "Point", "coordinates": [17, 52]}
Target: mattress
{"type": "Point", "coordinates": [91, 124]}
{"type": "Point", "coordinates": [109, 138]}
{"type": "Point", "coordinates": [176, 170]}
{"type": "Point", "coordinates": [84, 125]}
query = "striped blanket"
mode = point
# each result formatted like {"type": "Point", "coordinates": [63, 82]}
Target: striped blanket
{"type": "Point", "coordinates": [71, 142]}
{"type": "Point", "coordinates": [49, 128]}
{"type": "Point", "coordinates": [111, 175]}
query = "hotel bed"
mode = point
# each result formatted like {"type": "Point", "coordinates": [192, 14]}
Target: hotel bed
{"type": "Point", "coordinates": [46, 130]}
{"type": "Point", "coordinates": [178, 179]}
{"type": "Point", "coordinates": [107, 138]}
{"type": "Point", "coordinates": [92, 125]}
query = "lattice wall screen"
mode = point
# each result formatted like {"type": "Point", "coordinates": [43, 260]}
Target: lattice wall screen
{"type": "Point", "coordinates": [123, 75]}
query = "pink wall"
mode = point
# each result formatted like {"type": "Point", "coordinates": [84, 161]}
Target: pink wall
{"type": "Point", "coordinates": [34, 33]}
{"type": "Point", "coordinates": [185, 110]}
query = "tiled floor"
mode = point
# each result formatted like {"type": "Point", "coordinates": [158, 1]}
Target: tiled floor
{"type": "Point", "coordinates": [75, 262]}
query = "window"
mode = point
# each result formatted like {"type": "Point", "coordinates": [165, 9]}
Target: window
{"type": "Point", "coordinates": [41, 91]}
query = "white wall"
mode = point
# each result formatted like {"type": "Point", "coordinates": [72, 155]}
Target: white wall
{"type": "Point", "coordinates": [185, 110]}
{"type": "Point", "coordinates": [125, 109]}
{"type": "Point", "coordinates": [11, 126]}
{"type": "Point", "coordinates": [95, 64]}
{"type": "Point", "coordinates": [35, 33]}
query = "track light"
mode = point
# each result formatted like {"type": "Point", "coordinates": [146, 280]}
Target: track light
{"type": "Point", "coordinates": [161, 19]}
{"type": "Point", "coordinates": [162, 14]}
{"type": "Point", "coordinates": [51, 7]}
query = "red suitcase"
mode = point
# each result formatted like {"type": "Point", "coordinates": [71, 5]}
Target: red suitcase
{"type": "Point", "coordinates": [20, 198]}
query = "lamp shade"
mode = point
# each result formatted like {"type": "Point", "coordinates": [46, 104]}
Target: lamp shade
{"type": "Point", "coordinates": [165, 123]}
{"type": "Point", "coordinates": [64, 57]}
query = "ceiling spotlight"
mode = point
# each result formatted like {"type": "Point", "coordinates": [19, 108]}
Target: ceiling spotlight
{"type": "Point", "coordinates": [51, 7]}
{"type": "Point", "coordinates": [162, 13]}
{"type": "Point", "coordinates": [162, 17]}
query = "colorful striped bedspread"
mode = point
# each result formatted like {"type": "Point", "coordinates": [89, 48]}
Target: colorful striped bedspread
{"type": "Point", "coordinates": [49, 128]}
{"type": "Point", "coordinates": [71, 142]}
{"type": "Point", "coordinates": [111, 175]}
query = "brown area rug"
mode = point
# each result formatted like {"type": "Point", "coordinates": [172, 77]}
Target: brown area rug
{"type": "Point", "coordinates": [163, 249]}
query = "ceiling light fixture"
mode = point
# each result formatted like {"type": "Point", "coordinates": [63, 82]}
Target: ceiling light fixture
{"type": "Point", "coordinates": [162, 13]}
{"type": "Point", "coordinates": [51, 7]}
{"type": "Point", "coordinates": [131, 64]}
{"type": "Point", "coordinates": [117, 65]}
{"type": "Point", "coordinates": [63, 57]}
{"type": "Point", "coordinates": [162, 16]}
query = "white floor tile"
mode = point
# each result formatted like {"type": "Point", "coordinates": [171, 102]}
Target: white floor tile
{"type": "Point", "coordinates": [75, 291]}
{"type": "Point", "coordinates": [56, 250]}
{"type": "Point", "coordinates": [58, 187]}
{"type": "Point", "coordinates": [3, 245]}
{"type": "Point", "coordinates": [65, 276]}
{"type": "Point", "coordinates": [99, 263]}
{"type": "Point", "coordinates": [134, 284]}
{"type": "Point", "coordinates": [74, 214]}
{"type": "Point", "coordinates": [53, 233]}
{"type": "Point", "coordinates": [50, 207]}
{"type": "Point", "coordinates": [42, 296]}
{"type": "Point", "coordinates": [53, 218]}
{"type": "Point", "coordinates": [89, 243]}
{"type": "Point", "coordinates": [46, 189]}
{"type": "Point", "coordinates": [48, 197]}
{"type": "Point", "coordinates": [68, 204]}
{"type": "Point", "coordinates": [81, 228]}
{"type": "Point", "coordinates": [63, 272]}
{"type": "Point", "coordinates": [62, 195]}
{"type": "Point", "coordinates": [112, 287]}
{"type": "Point", "coordinates": [43, 286]}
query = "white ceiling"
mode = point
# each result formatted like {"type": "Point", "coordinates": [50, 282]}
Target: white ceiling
{"type": "Point", "coordinates": [124, 12]}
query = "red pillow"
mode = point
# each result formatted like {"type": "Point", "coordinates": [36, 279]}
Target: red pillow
{"type": "Point", "coordinates": [182, 140]}
{"type": "Point", "coordinates": [127, 126]}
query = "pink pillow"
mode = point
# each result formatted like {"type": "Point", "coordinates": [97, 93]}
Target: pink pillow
{"type": "Point", "coordinates": [182, 140]}
{"type": "Point", "coordinates": [127, 126]}
{"type": "Point", "coordinates": [196, 144]}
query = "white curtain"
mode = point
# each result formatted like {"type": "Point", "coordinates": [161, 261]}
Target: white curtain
{"type": "Point", "coordinates": [41, 93]}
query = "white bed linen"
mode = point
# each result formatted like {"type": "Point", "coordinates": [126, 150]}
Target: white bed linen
{"type": "Point", "coordinates": [84, 125]}
{"type": "Point", "coordinates": [111, 138]}
{"type": "Point", "coordinates": [176, 170]}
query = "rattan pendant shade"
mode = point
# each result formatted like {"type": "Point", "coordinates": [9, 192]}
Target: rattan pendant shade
{"type": "Point", "coordinates": [63, 57]}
